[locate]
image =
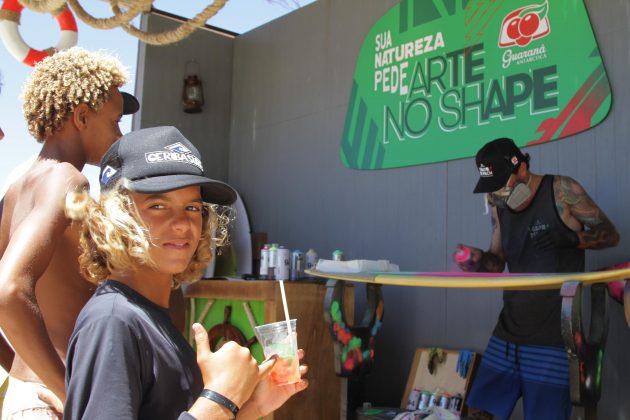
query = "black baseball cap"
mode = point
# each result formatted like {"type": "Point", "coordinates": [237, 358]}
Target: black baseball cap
{"type": "Point", "coordinates": [157, 160]}
{"type": "Point", "coordinates": [496, 161]}
{"type": "Point", "coordinates": [130, 103]}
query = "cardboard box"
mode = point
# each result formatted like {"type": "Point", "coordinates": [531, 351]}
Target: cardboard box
{"type": "Point", "coordinates": [445, 378]}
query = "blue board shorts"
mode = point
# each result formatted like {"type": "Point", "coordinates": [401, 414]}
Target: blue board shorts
{"type": "Point", "coordinates": [508, 371]}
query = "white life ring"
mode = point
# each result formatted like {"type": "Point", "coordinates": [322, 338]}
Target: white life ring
{"type": "Point", "coordinates": [9, 21]}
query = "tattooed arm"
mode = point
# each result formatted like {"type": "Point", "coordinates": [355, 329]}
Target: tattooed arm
{"type": "Point", "coordinates": [580, 213]}
{"type": "Point", "coordinates": [491, 261]}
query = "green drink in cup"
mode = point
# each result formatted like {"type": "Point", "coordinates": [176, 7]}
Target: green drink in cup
{"type": "Point", "coordinates": [275, 339]}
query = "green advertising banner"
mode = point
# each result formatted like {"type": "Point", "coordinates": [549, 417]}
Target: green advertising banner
{"type": "Point", "coordinates": [437, 79]}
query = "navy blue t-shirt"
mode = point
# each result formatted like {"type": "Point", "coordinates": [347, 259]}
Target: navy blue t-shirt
{"type": "Point", "coordinates": [126, 360]}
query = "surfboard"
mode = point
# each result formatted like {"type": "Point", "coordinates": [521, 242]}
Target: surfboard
{"type": "Point", "coordinates": [237, 259]}
{"type": "Point", "coordinates": [242, 238]}
{"type": "Point", "coordinates": [460, 280]}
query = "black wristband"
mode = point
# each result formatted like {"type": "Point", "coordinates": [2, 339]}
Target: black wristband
{"type": "Point", "coordinates": [221, 400]}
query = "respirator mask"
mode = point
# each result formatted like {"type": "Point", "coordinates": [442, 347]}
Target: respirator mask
{"type": "Point", "coordinates": [511, 197]}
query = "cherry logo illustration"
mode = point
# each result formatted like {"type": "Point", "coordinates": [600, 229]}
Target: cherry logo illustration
{"type": "Point", "coordinates": [524, 24]}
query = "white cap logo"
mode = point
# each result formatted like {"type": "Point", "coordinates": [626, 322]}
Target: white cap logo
{"type": "Point", "coordinates": [485, 171]}
{"type": "Point", "coordinates": [176, 152]}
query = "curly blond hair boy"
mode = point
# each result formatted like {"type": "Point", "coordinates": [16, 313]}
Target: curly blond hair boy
{"type": "Point", "coordinates": [61, 82]}
{"type": "Point", "coordinates": [114, 238]}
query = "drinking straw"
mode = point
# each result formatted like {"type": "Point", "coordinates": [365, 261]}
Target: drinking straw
{"type": "Point", "coordinates": [286, 312]}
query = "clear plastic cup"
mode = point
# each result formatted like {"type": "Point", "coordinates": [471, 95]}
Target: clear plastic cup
{"type": "Point", "coordinates": [274, 339]}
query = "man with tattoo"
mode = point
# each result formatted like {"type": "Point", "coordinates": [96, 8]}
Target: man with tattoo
{"type": "Point", "coordinates": [540, 224]}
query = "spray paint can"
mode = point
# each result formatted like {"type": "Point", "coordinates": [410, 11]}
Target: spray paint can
{"type": "Point", "coordinates": [434, 400]}
{"type": "Point", "coordinates": [310, 259]}
{"type": "Point", "coordinates": [283, 263]}
{"type": "Point", "coordinates": [462, 254]}
{"type": "Point", "coordinates": [455, 404]}
{"type": "Point", "coordinates": [444, 402]}
{"type": "Point", "coordinates": [463, 257]}
{"type": "Point", "coordinates": [264, 262]}
{"type": "Point", "coordinates": [337, 255]}
{"type": "Point", "coordinates": [297, 265]}
{"type": "Point", "coordinates": [414, 398]}
{"type": "Point", "coordinates": [423, 404]}
{"type": "Point", "coordinates": [273, 261]}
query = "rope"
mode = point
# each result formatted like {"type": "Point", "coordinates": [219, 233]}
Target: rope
{"type": "Point", "coordinates": [118, 19]}
{"type": "Point", "coordinates": [43, 6]}
{"type": "Point", "coordinates": [59, 11]}
{"type": "Point", "coordinates": [126, 3]}
{"type": "Point", "coordinates": [10, 15]}
{"type": "Point", "coordinates": [177, 34]}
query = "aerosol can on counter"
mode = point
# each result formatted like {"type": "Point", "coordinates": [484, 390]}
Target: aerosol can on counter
{"type": "Point", "coordinates": [337, 255]}
{"type": "Point", "coordinates": [297, 265]}
{"type": "Point", "coordinates": [273, 261]}
{"type": "Point", "coordinates": [283, 263]}
{"type": "Point", "coordinates": [310, 260]}
{"type": "Point", "coordinates": [463, 257]}
{"type": "Point", "coordinates": [264, 262]}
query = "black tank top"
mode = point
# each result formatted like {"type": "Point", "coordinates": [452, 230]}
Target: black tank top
{"type": "Point", "coordinates": [533, 317]}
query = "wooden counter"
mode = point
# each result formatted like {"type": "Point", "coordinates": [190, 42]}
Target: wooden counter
{"type": "Point", "coordinates": [325, 398]}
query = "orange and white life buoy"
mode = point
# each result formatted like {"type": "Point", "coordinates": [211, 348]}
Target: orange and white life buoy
{"type": "Point", "coordinates": [9, 21]}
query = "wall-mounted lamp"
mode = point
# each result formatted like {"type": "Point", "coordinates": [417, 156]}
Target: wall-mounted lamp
{"type": "Point", "coordinates": [192, 94]}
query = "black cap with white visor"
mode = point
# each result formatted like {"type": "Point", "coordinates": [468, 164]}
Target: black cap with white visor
{"type": "Point", "coordinates": [157, 160]}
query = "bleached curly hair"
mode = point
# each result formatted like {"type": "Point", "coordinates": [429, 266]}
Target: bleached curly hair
{"type": "Point", "coordinates": [114, 238]}
{"type": "Point", "coordinates": [61, 82]}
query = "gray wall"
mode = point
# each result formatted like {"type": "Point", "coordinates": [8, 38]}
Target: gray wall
{"type": "Point", "coordinates": [291, 83]}
{"type": "Point", "coordinates": [276, 100]}
{"type": "Point", "coordinates": [161, 71]}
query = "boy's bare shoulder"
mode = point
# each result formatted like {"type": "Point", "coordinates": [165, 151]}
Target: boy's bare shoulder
{"type": "Point", "coordinates": [45, 183]}
{"type": "Point", "coordinates": [38, 196]}
{"type": "Point", "coordinates": [54, 177]}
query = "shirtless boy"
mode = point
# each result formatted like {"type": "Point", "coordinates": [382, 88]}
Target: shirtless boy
{"type": "Point", "coordinates": [72, 106]}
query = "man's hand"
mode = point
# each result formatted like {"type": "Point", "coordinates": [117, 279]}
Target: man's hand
{"type": "Point", "coordinates": [268, 396]}
{"type": "Point", "coordinates": [231, 371]}
{"type": "Point", "coordinates": [47, 396]}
